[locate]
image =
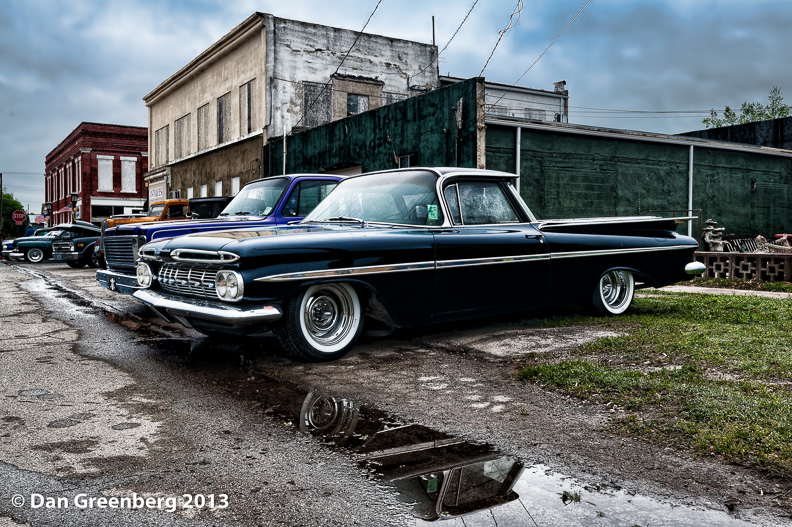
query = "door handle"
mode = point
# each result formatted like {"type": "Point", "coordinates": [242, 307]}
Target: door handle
{"type": "Point", "coordinates": [533, 236]}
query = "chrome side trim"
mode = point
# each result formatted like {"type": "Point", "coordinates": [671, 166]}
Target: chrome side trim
{"type": "Point", "coordinates": [610, 252]}
{"type": "Point", "coordinates": [447, 264]}
{"type": "Point", "coordinates": [178, 307]}
{"type": "Point", "coordinates": [348, 271]}
{"type": "Point", "coordinates": [203, 256]}
{"type": "Point", "coordinates": [450, 264]}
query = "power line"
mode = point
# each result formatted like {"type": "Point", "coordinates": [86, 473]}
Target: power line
{"type": "Point", "coordinates": [339, 65]}
{"type": "Point", "coordinates": [420, 72]}
{"type": "Point", "coordinates": [551, 44]}
{"type": "Point", "coordinates": [511, 24]}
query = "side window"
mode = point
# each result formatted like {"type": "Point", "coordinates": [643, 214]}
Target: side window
{"type": "Point", "coordinates": [481, 203]}
{"type": "Point", "coordinates": [305, 197]}
{"type": "Point", "coordinates": [452, 199]}
{"type": "Point", "coordinates": [177, 211]}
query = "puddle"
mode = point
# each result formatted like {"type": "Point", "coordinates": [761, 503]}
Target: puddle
{"type": "Point", "coordinates": [442, 477]}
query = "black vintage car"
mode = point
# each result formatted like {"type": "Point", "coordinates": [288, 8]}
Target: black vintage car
{"type": "Point", "coordinates": [39, 247]}
{"type": "Point", "coordinates": [403, 248]}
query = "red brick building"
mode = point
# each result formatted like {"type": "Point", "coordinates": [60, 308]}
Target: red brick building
{"type": "Point", "coordinates": [102, 166]}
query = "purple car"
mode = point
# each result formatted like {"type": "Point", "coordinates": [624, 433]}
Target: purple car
{"type": "Point", "coordinates": [271, 201]}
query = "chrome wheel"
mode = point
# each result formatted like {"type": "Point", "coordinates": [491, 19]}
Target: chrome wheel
{"type": "Point", "coordinates": [34, 255]}
{"type": "Point", "coordinates": [321, 323]}
{"type": "Point", "coordinates": [614, 292]}
{"type": "Point", "coordinates": [330, 316]}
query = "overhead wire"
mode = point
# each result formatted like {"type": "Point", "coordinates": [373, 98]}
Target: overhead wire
{"type": "Point", "coordinates": [550, 45]}
{"type": "Point", "coordinates": [511, 24]}
{"type": "Point", "coordinates": [346, 55]}
{"type": "Point", "coordinates": [420, 71]}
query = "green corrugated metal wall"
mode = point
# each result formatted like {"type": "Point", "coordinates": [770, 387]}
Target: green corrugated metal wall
{"type": "Point", "coordinates": [425, 125]}
{"type": "Point", "coordinates": [574, 175]}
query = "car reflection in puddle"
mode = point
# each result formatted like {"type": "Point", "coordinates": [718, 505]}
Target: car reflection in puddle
{"type": "Point", "coordinates": [443, 477]}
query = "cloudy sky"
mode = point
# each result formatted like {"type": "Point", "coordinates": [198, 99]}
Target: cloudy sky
{"type": "Point", "coordinates": [648, 65]}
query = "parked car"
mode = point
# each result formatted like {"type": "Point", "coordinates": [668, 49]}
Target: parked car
{"type": "Point", "coordinates": [209, 207]}
{"type": "Point", "coordinates": [7, 249]}
{"type": "Point", "coordinates": [405, 248]}
{"type": "Point", "coordinates": [270, 201]}
{"type": "Point", "coordinates": [77, 252]}
{"type": "Point", "coordinates": [38, 247]}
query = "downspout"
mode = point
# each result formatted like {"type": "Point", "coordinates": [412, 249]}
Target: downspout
{"type": "Point", "coordinates": [690, 191]}
{"type": "Point", "coordinates": [517, 157]}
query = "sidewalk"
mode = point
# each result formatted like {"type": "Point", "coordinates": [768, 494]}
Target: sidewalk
{"type": "Point", "coordinates": [719, 291]}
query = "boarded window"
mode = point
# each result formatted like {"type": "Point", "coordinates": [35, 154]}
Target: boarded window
{"type": "Point", "coordinates": [181, 137]}
{"type": "Point", "coordinates": [317, 104]}
{"type": "Point", "coordinates": [190, 193]}
{"type": "Point", "coordinates": [224, 118]}
{"type": "Point", "coordinates": [128, 169]}
{"type": "Point", "coordinates": [218, 188]}
{"type": "Point", "coordinates": [204, 191]}
{"type": "Point", "coordinates": [203, 127]}
{"type": "Point", "coordinates": [161, 146]}
{"type": "Point", "coordinates": [357, 103]}
{"type": "Point", "coordinates": [234, 186]}
{"type": "Point", "coordinates": [105, 166]}
{"type": "Point", "coordinates": [247, 107]}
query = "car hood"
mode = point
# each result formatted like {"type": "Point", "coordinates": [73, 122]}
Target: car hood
{"type": "Point", "coordinates": [168, 229]}
{"type": "Point", "coordinates": [257, 241]}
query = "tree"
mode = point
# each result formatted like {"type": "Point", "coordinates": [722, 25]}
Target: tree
{"type": "Point", "coordinates": [750, 112]}
{"type": "Point", "coordinates": [9, 228]}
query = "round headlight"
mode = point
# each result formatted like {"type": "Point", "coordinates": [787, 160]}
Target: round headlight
{"type": "Point", "coordinates": [221, 285]}
{"type": "Point", "coordinates": [144, 275]}
{"type": "Point", "coordinates": [229, 286]}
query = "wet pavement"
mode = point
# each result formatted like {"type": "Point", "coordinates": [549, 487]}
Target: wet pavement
{"type": "Point", "coordinates": [101, 399]}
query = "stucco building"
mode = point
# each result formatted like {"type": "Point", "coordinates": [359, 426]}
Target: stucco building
{"type": "Point", "coordinates": [103, 164]}
{"type": "Point", "coordinates": [267, 78]}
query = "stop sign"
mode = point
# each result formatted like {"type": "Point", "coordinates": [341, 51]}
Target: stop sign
{"type": "Point", "coordinates": [19, 216]}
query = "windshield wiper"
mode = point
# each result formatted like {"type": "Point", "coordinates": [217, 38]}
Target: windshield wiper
{"type": "Point", "coordinates": [346, 218]}
{"type": "Point", "coordinates": [242, 213]}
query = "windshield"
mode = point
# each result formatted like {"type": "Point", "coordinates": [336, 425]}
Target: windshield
{"type": "Point", "coordinates": [405, 198]}
{"type": "Point", "coordinates": [155, 210]}
{"type": "Point", "coordinates": [257, 199]}
{"type": "Point", "coordinates": [53, 234]}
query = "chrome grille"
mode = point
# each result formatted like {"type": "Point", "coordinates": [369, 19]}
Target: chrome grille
{"type": "Point", "coordinates": [120, 251]}
{"type": "Point", "coordinates": [188, 280]}
{"type": "Point", "coordinates": [61, 246]}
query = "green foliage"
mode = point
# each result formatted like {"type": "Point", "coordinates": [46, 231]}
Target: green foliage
{"type": "Point", "coordinates": [8, 228]}
{"type": "Point", "coordinates": [707, 373]}
{"type": "Point", "coordinates": [750, 112]}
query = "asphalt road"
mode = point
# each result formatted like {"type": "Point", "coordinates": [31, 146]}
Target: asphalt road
{"type": "Point", "coordinates": [109, 416]}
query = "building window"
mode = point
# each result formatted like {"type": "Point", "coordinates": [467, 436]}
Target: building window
{"type": "Point", "coordinates": [203, 191]}
{"type": "Point", "coordinates": [408, 161]}
{"type": "Point", "coordinates": [247, 107]}
{"type": "Point", "coordinates": [128, 172]}
{"type": "Point", "coordinates": [105, 164]}
{"type": "Point", "coordinates": [181, 137]}
{"type": "Point", "coordinates": [234, 186]}
{"type": "Point", "coordinates": [203, 127]}
{"type": "Point", "coordinates": [190, 193]}
{"type": "Point", "coordinates": [161, 146]}
{"type": "Point", "coordinates": [224, 118]}
{"type": "Point", "coordinates": [62, 184]}
{"type": "Point", "coordinates": [357, 103]}
{"type": "Point", "coordinates": [218, 188]}
{"type": "Point", "coordinates": [317, 104]}
{"type": "Point", "coordinates": [78, 173]}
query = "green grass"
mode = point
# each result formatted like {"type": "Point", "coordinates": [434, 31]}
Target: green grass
{"type": "Point", "coordinates": [707, 373]}
{"type": "Point", "coordinates": [752, 285]}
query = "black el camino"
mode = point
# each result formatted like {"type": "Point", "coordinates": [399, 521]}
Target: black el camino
{"type": "Point", "coordinates": [403, 248]}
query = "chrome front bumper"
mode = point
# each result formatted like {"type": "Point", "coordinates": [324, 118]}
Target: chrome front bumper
{"type": "Point", "coordinates": [65, 256]}
{"type": "Point", "coordinates": [122, 283]}
{"type": "Point", "coordinates": [173, 308]}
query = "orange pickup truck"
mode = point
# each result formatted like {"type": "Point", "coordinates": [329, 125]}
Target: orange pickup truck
{"type": "Point", "coordinates": [169, 209]}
